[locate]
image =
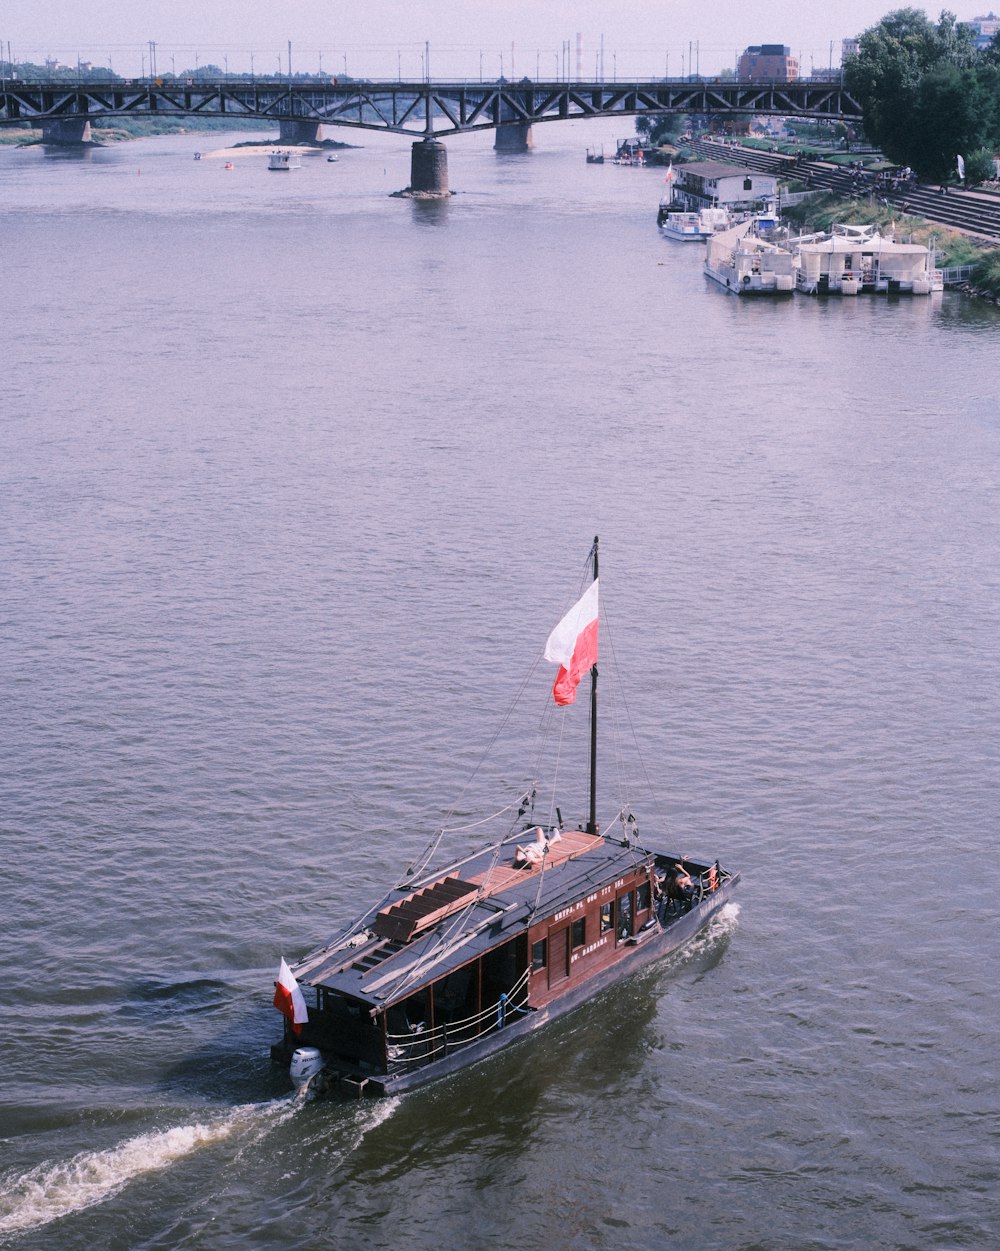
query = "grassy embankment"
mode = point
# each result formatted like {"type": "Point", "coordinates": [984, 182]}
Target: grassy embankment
{"type": "Point", "coordinates": [130, 128]}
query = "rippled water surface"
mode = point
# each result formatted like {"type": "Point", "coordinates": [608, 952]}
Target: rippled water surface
{"type": "Point", "coordinates": [294, 480]}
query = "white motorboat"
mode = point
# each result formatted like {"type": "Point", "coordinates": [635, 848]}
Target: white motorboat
{"type": "Point", "coordinates": [283, 161]}
{"type": "Point", "coordinates": [696, 226]}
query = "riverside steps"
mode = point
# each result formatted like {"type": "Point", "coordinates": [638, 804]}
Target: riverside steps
{"type": "Point", "coordinates": [972, 212]}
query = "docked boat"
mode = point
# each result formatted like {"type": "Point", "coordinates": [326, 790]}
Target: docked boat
{"type": "Point", "coordinates": [747, 262]}
{"type": "Point", "coordinates": [850, 259]}
{"type": "Point", "coordinates": [283, 161]}
{"type": "Point", "coordinates": [691, 227]}
{"type": "Point", "coordinates": [462, 960]}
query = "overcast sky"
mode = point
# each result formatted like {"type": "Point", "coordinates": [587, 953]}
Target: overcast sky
{"type": "Point", "coordinates": [379, 38]}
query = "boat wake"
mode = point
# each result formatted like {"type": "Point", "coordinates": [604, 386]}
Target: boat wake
{"type": "Point", "coordinates": [52, 1190]}
{"type": "Point", "coordinates": [721, 926]}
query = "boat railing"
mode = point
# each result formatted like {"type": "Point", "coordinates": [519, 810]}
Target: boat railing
{"type": "Point", "coordinates": [426, 1045]}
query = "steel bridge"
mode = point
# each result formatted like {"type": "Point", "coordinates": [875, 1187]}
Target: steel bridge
{"type": "Point", "coordinates": [423, 110]}
{"type": "Point", "coordinates": [426, 111]}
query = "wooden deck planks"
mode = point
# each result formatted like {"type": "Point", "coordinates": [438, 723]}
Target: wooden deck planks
{"type": "Point", "coordinates": [504, 875]}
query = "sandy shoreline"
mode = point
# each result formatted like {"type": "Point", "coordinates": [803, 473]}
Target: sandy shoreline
{"type": "Point", "coordinates": [263, 149]}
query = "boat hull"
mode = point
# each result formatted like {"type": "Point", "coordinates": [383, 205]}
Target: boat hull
{"type": "Point", "coordinates": [751, 285]}
{"type": "Point", "coordinates": [644, 949]}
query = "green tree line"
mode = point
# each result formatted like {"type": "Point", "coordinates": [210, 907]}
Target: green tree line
{"type": "Point", "coordinates": [929, 96]}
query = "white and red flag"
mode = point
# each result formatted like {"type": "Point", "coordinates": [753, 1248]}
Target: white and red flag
{"type": "Point", "coordinates": [288, 998]}
{"type": "Point", "coordinates": [572, 645]}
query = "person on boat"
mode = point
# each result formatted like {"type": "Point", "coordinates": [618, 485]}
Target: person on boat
{"type": "Point", "coordinates": [681, 887]}
{"type": "Point", "coordinates": [534, 853]}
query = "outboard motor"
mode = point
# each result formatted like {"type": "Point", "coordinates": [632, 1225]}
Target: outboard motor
{"type": "Point", "coordinates": [306, 1063]}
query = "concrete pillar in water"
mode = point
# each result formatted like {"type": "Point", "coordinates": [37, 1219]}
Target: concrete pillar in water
{"type": "Point", "coordinates": [429, 167]}
{"type": "Point", "coordinates": [66, 130]}
{"type": "Point", "coordinates": [513, 137]}
{"type": "Point", "coordinates": [291, 131]}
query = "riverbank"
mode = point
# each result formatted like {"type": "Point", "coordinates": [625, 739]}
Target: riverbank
{"type": "Point", "coordinates": [127, 129]}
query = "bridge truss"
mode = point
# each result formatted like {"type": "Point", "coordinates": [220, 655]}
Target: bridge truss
{"type": "Point", "coordinates": [424, 110]}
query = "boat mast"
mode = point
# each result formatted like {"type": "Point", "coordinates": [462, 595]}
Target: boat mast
{"type": "Point", "coordinates": [592, 822]}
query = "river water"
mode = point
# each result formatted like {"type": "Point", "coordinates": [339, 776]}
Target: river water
{"type": "Point", "coordinates": [295, 480]}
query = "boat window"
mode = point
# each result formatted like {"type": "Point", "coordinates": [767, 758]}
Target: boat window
{"type": "Point", "coordinates": [455, 996]}
{"type": "Point", "coordinates": [642, 898]}
{"type": "Point", "coordinates": [409, 1017]}
{"type": "Point", "coordinates": [539, 954]}
{"type": "Point", "coordinates": [607, 916]}
{"type": "Point", "coordinates": [624, 915]}
{"type": "Point", "coordinates": [579, 932]}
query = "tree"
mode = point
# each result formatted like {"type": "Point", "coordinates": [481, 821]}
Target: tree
{"type": "Point", "coordinates": [949, 119]}
{"type": "Point", "coordinates": [665, 127]}
{"type": "Point", "coordinates": [979, 167]}
{"type": "Point", "coordinates": [924, 90]}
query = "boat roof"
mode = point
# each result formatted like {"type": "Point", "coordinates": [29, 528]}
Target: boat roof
{"type": "Point", "coordinates": [744, 232]}
{"type": "Point", "coordinates": [717, 169]}
{"type": "Point", "coordinates": [420, 932]}
{"type": "Point", "coordinates": [867, 243]}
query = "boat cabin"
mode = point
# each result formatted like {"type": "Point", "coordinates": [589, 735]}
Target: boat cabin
{"type": "Point", "coordinates": [714, 184]}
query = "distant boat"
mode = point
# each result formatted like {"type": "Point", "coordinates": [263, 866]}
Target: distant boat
{"type": "Point", "coordinates": [595, 158]}
{"type": "Point", "coordinates": [629, 152]}
{"type": "Point", "coordinates": [283, 160]}
{"type": "Point", "coordinates": [331, 157]}
{"type": "Point", "coordinates": [457, 963]}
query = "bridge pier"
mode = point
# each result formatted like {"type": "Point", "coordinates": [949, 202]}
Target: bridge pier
{"type": "Point", "coordinates": [513, 137]}
{"type": "Point", "coordinates": [291, 132]}
{"type": "Point", "coordinates": [67, 130]}
{"type": "Point", "coordinates": [429, 168]}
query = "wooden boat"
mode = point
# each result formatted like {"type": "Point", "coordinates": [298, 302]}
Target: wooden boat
{"type": "Point", "coordinates": [457, 963]}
